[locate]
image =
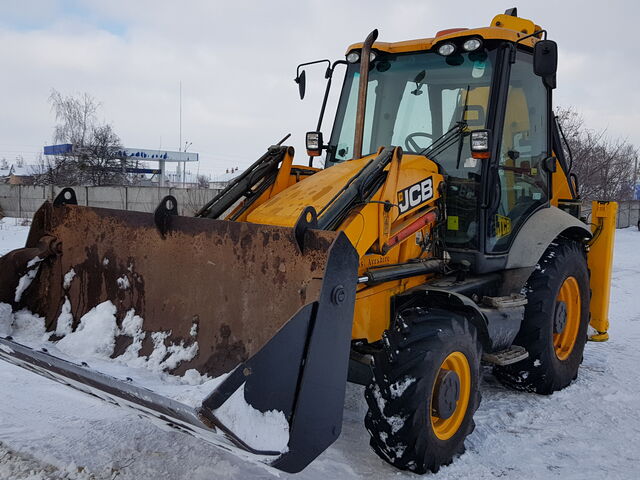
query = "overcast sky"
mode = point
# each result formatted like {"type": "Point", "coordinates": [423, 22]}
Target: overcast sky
{"type": "Point", "coordinates": [236, 61]}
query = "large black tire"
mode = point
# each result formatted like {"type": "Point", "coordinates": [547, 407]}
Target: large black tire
{"type": "Point", "coordinates": [399, 398]}
{"type": "Point", "coordinates": [545, 370]}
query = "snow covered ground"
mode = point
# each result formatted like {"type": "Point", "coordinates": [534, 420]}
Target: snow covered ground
{"type": "Point", "coordinates": [590, 430]}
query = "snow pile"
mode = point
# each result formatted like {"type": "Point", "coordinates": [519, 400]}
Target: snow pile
{"type": "Point", "coordinates": [94, 340]}
{"type": "Point", "coordinates": [262, 431]}
{"type": "Point", "coordinates": [68, 277]}
{"type": "Point", "coordinates": [6, 320]}
{"type": "Point", "coordinates": [123, 282]}
{"type": "Point", "coordinates": [95, 335]}
{"type": "Point", "coordinates": [64, 325]}
{"type": "Point", "coordinates": [29, 326]}
{"type": "Point", "coordinates": [27, 278]}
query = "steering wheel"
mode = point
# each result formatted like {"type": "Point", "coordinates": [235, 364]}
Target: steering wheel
{"type": "Point", "coordinates": [410, 143]}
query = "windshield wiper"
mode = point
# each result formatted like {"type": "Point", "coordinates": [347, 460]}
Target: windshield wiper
{"type": "Point", "coordinates": [446, 140]}
{"type": "Point", "coordinates": [454, 135]}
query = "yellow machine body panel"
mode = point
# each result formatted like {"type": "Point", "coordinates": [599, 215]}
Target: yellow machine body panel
{"type": "Point", "coordinates": [317, 190]}
{"type": "Point", "coordinates": [503, 27]}
{"type": "Point", "coordinates": [288, 175]}
{"type": "Point", "coordinates": [560, 185]}
{"type": "Point", "coordinates": [600, 259]}
{"type": "Point", "coordinates": [368, 228]}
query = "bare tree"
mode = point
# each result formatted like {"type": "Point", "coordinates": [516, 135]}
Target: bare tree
{"type": "Point", "coordinates": [203, 181]}
{"type": "Point", "coordinates": [75, 117]}
{"type": "Point", "coordinates": [605, 167]}
{"type": "Point", "coordinates": [95, 159]}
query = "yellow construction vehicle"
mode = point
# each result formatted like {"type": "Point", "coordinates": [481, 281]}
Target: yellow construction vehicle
{"type": "Point", "coordinates": [444, 230]}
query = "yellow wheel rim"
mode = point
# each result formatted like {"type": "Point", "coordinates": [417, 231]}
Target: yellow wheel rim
{"type": "Point", "coordinates": [445, 428]}
{"type": "Point", "coordinates": [564, 341]}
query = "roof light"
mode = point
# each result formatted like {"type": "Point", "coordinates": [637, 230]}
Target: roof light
{"type": "Point", "coordinates": [472, 44]}
{"type": "Point", "coordinates": [446, 49]}
{"type": "Point", "coordinates": [353, 57]}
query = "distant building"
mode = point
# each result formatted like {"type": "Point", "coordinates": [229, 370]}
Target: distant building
{"type": "Point", "coordinates": [18, 174]}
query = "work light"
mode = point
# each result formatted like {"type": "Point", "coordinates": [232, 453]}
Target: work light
{"type": "Point", "coordinates": [353, 57]}
{"type": "Point", "coordinates": [472, 44]}
{"type": "Point", "coordinates": [446, 49]}
{"type": "Point", "coordinates": [314, 143]}
{"type": "Point", "coordinates": [480, 144]}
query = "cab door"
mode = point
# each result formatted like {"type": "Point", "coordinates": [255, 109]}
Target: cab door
{"type": "Point", "coordinates": [522, 183]}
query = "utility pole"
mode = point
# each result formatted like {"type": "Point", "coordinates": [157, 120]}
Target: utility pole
{"type": "Point", "coordinates": [184, 164]}
{"type": "Point", "coordinates": [636, 188]}
{"type": "Point", "coordinates": [180, 141]}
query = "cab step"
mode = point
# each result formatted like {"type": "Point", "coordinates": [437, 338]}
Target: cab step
{"type": "Point", "coordinates": [510, 301]}
{"type": "Point", "coordinates": [506, 357]}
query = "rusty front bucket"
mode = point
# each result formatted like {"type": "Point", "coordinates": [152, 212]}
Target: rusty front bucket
{"type": "Point", "coordinates": [269, 306]}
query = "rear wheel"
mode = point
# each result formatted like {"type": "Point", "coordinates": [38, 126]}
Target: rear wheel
{"type": "Point", "coordinates": [554, 330]}
{"type": "Point", "coordinates": [425, 390]}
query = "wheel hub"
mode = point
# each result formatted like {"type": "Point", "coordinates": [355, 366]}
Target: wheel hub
{"type": "Point", "coordinates": [446, 394]}
{"type": "Point", "coordinates": [560, 317]}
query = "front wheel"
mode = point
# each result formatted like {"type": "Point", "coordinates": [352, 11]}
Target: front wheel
{"type": "Point", "coordinates": [425, 390]}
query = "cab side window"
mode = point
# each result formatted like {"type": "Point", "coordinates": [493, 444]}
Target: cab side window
{"type": "Point", "coordinates": [523, 183]}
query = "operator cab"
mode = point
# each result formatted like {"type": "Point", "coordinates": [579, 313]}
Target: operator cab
{"type": "Point", "coordinates": [430, 98]}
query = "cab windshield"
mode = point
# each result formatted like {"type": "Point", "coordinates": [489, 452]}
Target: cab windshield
{"type": "Point", "coordinates": [412, 100]}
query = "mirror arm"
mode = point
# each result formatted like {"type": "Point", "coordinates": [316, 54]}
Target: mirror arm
{"type": "Point", "coordinates": [329, 76]}
{"type": "Point", "coordinates": [313, 63]}
{"type": "Point", "coordinates": [512, 57]}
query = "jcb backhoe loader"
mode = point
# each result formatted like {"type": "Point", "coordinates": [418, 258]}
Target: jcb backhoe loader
{"type": "Point", "coordinates": [444, 230]}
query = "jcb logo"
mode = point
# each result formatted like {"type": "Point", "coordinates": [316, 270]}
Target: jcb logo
{"type": "Point", "coordinates": [415, 195]}
{"type": "Point", "coordinates": [503, 226]}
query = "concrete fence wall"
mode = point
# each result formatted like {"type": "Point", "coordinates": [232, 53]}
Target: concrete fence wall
{"type": "Point", "coordinates": [628, 213]}
{"type": "Point", "coordinates": [23, 200]}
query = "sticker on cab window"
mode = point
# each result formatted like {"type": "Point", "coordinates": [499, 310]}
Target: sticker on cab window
{"type": "Point", "coordinates": [503, 226]}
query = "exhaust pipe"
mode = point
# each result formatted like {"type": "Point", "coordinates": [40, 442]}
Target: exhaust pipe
{"type": "Point", "coordinates": [362, 93]}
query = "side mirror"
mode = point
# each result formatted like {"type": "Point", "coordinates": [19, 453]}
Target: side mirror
{"type": "Point", "coordinates": [545, 61]}
{"type": "Point", "coordinates": [301, 80]}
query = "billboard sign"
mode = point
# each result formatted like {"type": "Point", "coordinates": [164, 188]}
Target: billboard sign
{"type": "Point", "coordinates": [158, 155]}
{"type": "Point", "coordinates": [133, 153]}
